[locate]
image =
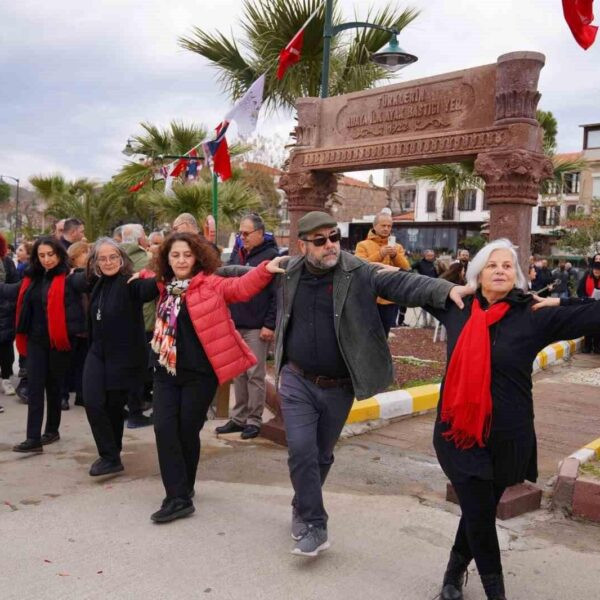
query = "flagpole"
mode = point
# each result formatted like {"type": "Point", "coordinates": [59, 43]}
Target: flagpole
{"type": "Point", "coordinates": [314, 14]}
{"type": "Point", "coordinates": [215, 201]}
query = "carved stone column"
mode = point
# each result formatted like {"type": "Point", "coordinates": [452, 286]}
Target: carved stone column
{"type": "Point", "coordinates": [512, 185]}
{"type": "Point", "coordinates": [306, 191]}
{"type": "Point", "coordinates": [513, 175]}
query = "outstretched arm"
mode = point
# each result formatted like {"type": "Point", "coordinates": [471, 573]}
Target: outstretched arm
{"type": "Point", "coordinates": [416, 290]}
{"type": "Point", "coordinates": [10, 291]}
{"type": "Point", "coordinates": [562, 319]}
{"type": "Point", "coordinates": [241, 289]}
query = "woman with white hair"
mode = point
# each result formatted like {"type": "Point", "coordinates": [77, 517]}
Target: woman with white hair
{"type": "Point", "coordinates": [117, 358]}
{"type": "Point", "coordinates": [484, 434]}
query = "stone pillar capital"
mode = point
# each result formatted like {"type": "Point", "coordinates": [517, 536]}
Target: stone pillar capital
{"type": "Point", "coordinates": [513, 176]}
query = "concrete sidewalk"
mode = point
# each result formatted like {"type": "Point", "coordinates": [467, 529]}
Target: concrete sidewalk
{"type": "Point", "coordinates": [100, 543]}
{"type": "Point", "coordinates": [66, 535]}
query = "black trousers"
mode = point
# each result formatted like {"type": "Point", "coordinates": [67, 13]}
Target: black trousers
{"type": "Point", "coordinates": [104, 409]}
{"type": "Point", "coordinates": [476, 536]}
{"type": "Point", "coordinates": [45, 371]}
{"type": "Point", "coordinates": [314, 418]}
{"type": "Point", "coordinates": [179, 415]}
{"type": "Point", "coordinates": [388, 313]}
{"type": "Point", "coordinates": [73, 381]}
{"type": "Point", "coordinates": [7, 358]}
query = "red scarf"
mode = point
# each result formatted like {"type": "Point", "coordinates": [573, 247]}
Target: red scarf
{"type": "Point", "coordinates": [467, 398]}
{"type": "Point", "coordinates": [590, 285]}
{"type": "Point", "coordinates": [57, 319]}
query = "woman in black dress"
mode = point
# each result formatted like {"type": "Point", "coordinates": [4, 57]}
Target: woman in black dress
{"type": "Point", "coordinates": [49, 315]}
{"type": "Point", "coordinates": [484, 434]}
{"type": "Point", "coordinates": [117, 357]}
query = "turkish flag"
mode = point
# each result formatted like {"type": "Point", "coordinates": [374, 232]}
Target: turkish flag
{"type": "Point", "coordinates": [290, 55]}
{"type": "Point", "coordinates": [578, 15]}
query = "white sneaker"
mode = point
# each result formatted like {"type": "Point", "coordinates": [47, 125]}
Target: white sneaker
{"type": "Point", "coordinates": [7, 387]}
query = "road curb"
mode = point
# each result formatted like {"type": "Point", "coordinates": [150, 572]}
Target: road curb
{"type": "Point", "coordinates": [571, 495]}
{"type": "Point", "coordinates": [381, 408]}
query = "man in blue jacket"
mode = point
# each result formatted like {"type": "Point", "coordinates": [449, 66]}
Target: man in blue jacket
{"type": "Point", "coordinates": [255, 321]}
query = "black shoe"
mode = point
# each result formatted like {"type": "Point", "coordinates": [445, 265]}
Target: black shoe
{"type": "Point", "coordinates": [49, 438]}
{"type": "Point", "coordinates": [102, 466]}
{"type": "Point", "coordinates": [191, 493]}
{"type": "Point", "coordinates": [64, 404]}
{"type": "Point", "coordinates": [1, 409]}
{"type": "Point", "coordinates": [250, 431]}
{"type": "Point", "coordinates": [140, 421]}
{"type": "Point", "coordinates": [454, 577]}
{"type": "Point", "coordinates": [22, 392]}
{"type": "Point", "coordinates": [173, 508]}
{"type": "Point", "coordinates": [29, 445]}
{"type": "Point", "coordinates": [79, 401]}
{"type": "Point", "coordinates": [230, 427]}
{"type": "Point", "coordinates": [493, 584]}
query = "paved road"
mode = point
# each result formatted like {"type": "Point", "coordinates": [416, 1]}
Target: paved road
{"type": "Point", "coordinates": [65, 535]}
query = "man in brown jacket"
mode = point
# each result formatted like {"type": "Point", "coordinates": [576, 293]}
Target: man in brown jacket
{"type": "Point", "coordinates": [378, 248]}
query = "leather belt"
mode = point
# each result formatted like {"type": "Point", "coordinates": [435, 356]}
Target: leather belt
{"type": "Point", "coordinates": [321, 381]}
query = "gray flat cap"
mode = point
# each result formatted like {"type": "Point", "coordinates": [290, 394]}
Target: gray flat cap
{"type": "Point", "coordinates": [315, 220]}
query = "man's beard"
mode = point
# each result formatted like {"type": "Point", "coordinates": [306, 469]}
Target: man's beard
{"type": "Point", "coordinates": [319, 263]}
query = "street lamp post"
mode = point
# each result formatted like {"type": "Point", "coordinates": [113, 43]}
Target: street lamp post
{"type": "Point", "coordinates": [392, 57]}
{"type": "Point", "coordinates": [17, 227]}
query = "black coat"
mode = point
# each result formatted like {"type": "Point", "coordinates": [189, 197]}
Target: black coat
{"type": "Point", "coordinates": [29, 321]}
{"type": "Point", "coordinates": [425, 267]}
{"type": "Point", "coordinates": [8, 274]}
{"type": "Point", "coordinates": [260, 311]}
{"type": "Point", "coordinates": [510, 453]}
{"type": "Point", "coordinates": [116, 328]}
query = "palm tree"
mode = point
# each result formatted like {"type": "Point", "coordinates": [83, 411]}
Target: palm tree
{"type": "Point", "coordinates": [97, 206]}
{"type": "Point", "coordinates": [269, 25]}
{"type": "Point", "coordinates": [235, 200]}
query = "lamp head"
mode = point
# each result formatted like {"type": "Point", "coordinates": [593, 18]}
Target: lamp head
{"type": "Point", "coordinates": [392, 57]}
{"type": "Point", "coordinates": [128, 150]}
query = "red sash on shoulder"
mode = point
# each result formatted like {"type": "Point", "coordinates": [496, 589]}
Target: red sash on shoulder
{"type": "Point", "coordinates": [57, 318]}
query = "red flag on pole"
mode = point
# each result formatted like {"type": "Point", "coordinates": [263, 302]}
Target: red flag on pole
{"type": "Point", "coordinates": [290, 55]}
{"type": "Point", "coordinates": [578, 15]}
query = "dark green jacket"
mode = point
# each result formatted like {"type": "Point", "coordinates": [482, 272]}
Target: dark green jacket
{"type": "Point", "coordinates": [140, 259]}
{"type": "Point", "coordinates": [360, 335]}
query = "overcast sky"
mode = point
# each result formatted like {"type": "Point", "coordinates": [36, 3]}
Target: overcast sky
{"type": "Point", "coordinates": [76, 79]}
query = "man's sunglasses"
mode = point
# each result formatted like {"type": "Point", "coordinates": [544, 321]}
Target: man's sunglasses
{"type": "Point", "coordinates": [321, 240]}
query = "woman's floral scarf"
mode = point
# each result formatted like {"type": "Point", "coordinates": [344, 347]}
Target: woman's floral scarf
{"type": "Point", "coordinates": [165, 329]}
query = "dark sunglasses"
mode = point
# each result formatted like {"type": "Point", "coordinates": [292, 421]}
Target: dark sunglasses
{"type": "Point", "coordinates": [322, 240]}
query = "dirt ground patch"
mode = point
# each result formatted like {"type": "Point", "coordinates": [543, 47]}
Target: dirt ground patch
{"type": "Point", "coordinates": [416, 343]}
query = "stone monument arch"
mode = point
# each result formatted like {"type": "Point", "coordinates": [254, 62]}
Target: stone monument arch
{"type": "Point", "coordinates": [486, 113]}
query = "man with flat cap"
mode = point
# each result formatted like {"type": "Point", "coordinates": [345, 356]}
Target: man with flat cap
{"type": "Point", "coordinates": [331, 347]}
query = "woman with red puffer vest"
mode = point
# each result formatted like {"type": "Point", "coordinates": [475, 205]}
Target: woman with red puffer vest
{"type": "Point", "coordinates": [196, 347]}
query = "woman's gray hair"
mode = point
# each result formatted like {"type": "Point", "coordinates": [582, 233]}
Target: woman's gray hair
{"type": "Point", "coordinates": [126, 266]}
{"type": "Point", "coordinates": [481, 258]}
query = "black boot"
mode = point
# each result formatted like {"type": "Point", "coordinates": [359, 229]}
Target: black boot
{"type": "Point", "coordinates": [454, 577]}
{"type": "Point", "coordinates": [493, 585]}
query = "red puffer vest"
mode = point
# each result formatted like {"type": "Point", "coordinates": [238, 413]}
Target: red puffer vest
{"type": "Point", "coordinates": [206, 300]}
